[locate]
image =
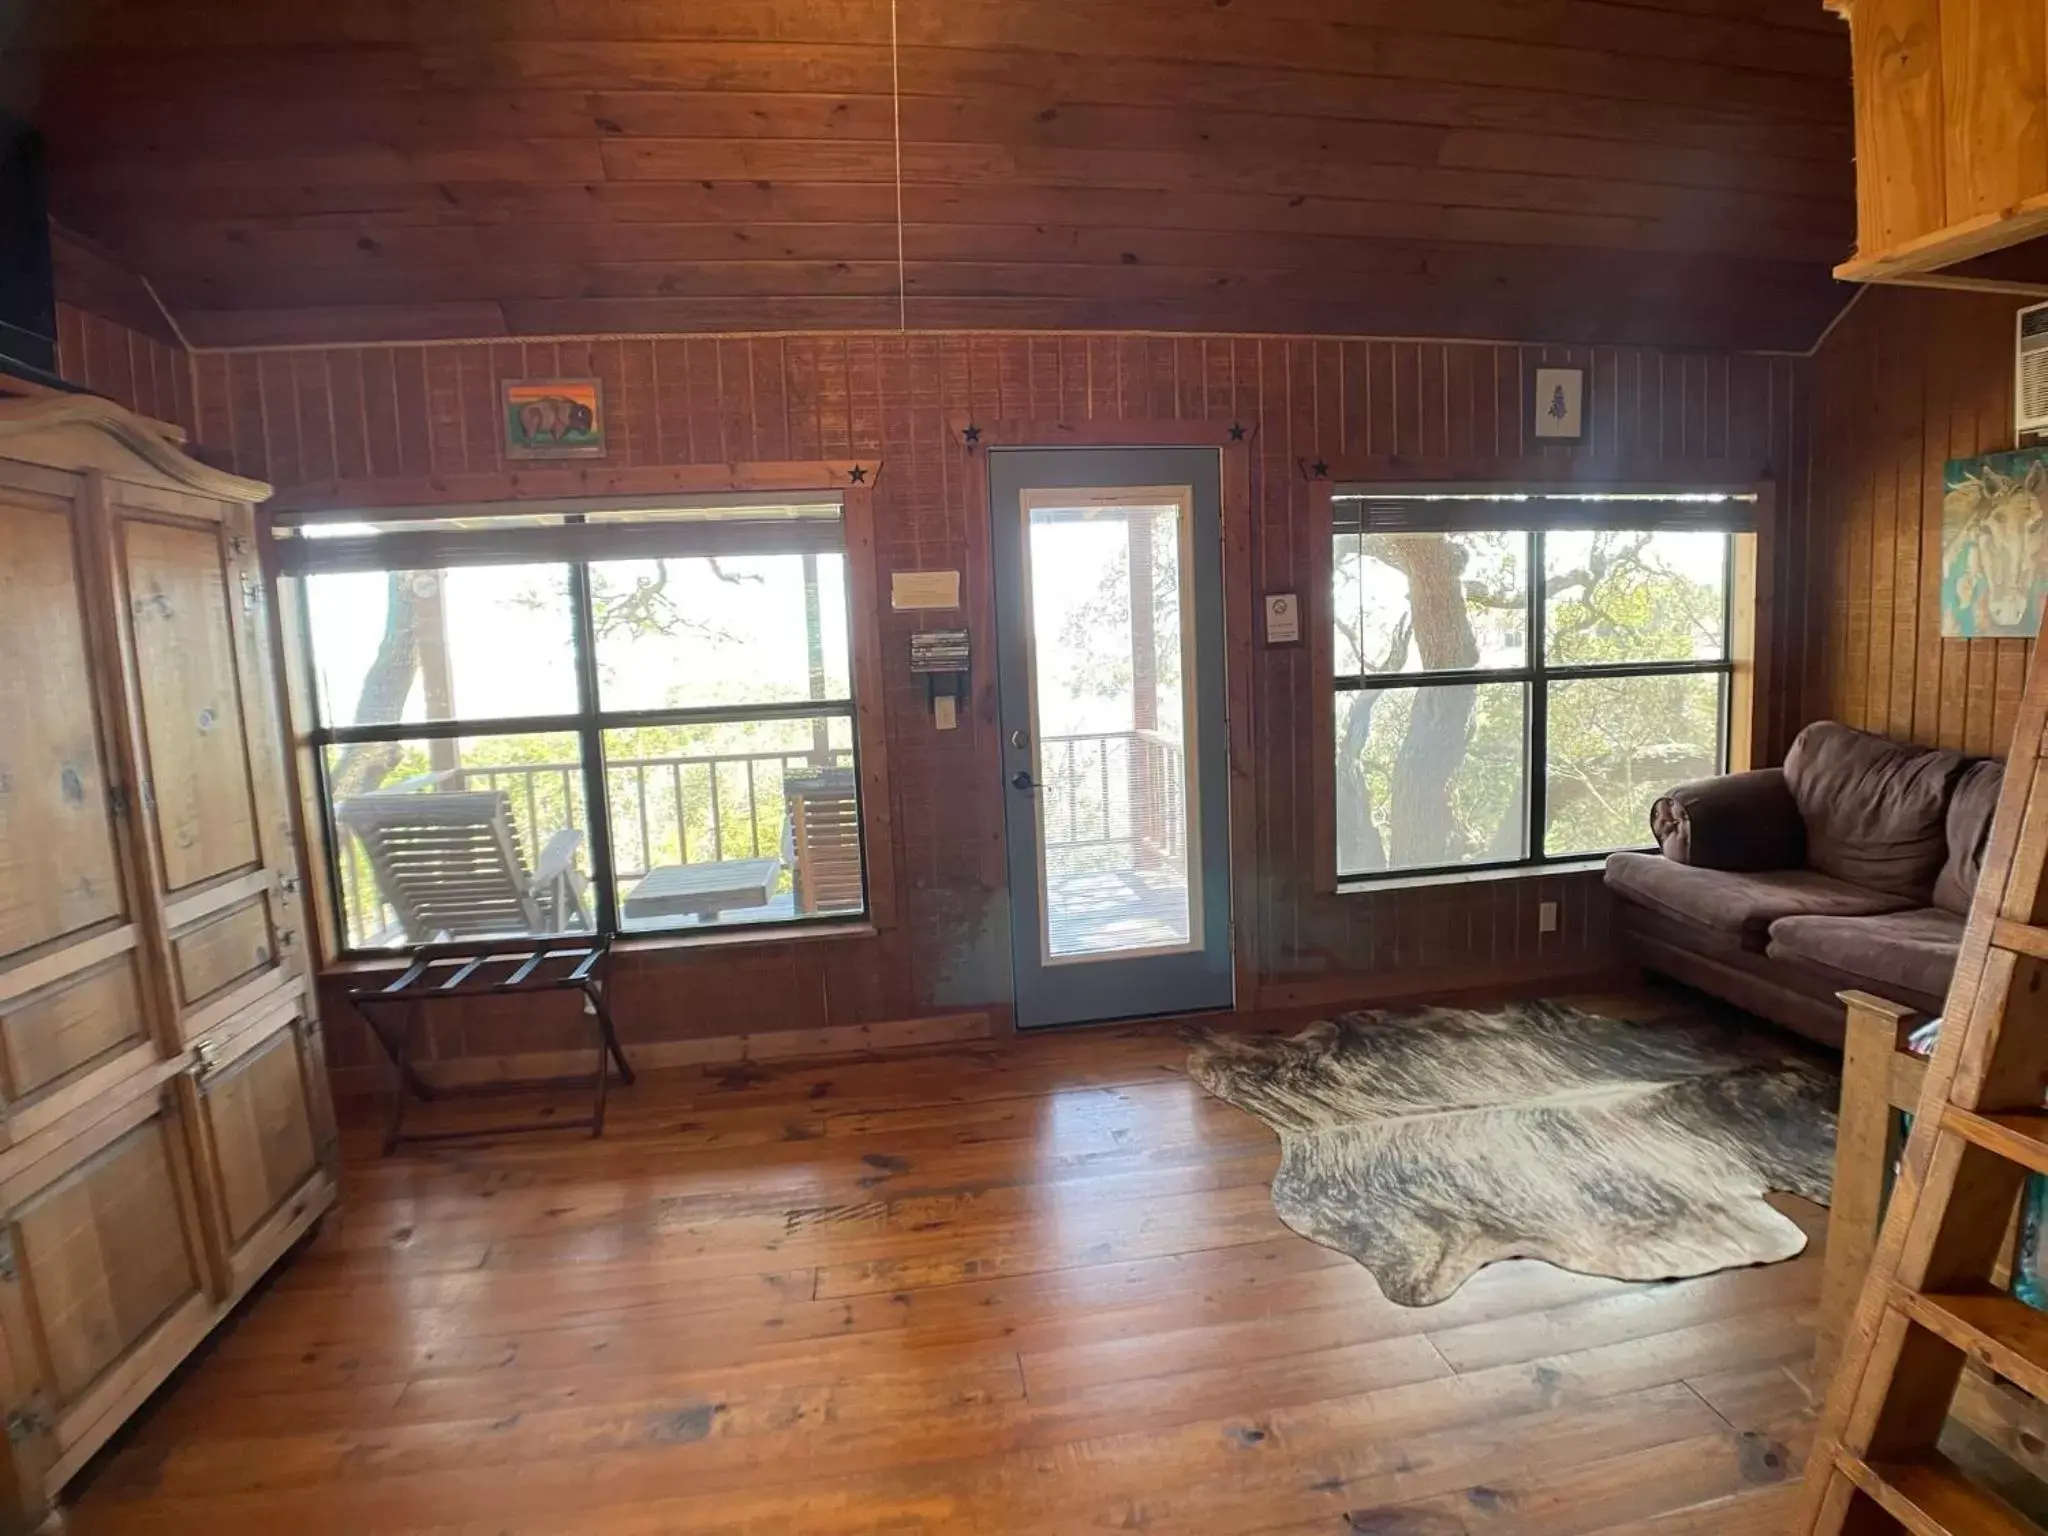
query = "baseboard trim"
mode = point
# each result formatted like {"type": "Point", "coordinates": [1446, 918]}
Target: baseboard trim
{"type": "Point", "coordinates": [1579, 972]}
{"type": "Point", "coordinates": [1277, 1002]}
{"type": "Point", "coordinates": [715, 1050]}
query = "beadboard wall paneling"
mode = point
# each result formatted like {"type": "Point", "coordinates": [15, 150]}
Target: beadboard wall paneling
{"type": "Point", "coordinates": [1911, 379]}
{"type": "Point", "coordinates": [318, 420]}
{"type": "Point", "coordinates": [113, 337]}
{"type": "Point", "coordinates": [133, 369]}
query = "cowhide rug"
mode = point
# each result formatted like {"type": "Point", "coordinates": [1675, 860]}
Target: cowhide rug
{"type": "Point", "coordinates": [1428, 1144]}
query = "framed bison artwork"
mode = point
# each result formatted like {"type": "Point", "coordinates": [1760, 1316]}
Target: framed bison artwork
{"type": "Point", "coordinates": [554, 419]}
{"type": "Point", "coordinates": [1994, 544]}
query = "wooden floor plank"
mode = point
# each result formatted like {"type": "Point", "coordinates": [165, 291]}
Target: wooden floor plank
{"type": "Point", "coordinates": [1033, 1288]}
{"type": "Point", "coordinates": [1759, 1512]}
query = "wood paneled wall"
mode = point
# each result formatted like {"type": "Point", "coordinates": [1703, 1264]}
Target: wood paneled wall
{"type": "Point", "coordinates": [137, 370]}
{"type": "Point", "coordinates": [323, 419]}
{"type": "Point", "coordinates": [1676, 174]}
{"type": "Point", "coordinates": [1909, 380]}
{"type": "Point", "coordinates": [113, 338]}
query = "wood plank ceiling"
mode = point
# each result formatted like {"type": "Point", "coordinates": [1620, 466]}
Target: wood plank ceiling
{"type": "Point", "coordinates": [1670, 171]}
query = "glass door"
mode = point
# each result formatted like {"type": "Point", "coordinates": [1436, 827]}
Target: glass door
{"type": "Point", "coordinates": [1109, 592]}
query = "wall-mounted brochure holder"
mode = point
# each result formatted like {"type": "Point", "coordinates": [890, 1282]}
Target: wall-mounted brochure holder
{"type": "Point", "coordinates": [942, 656]}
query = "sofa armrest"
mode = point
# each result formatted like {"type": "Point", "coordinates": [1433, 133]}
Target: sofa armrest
{"type": "Point", "coordinates": [1739, 821]}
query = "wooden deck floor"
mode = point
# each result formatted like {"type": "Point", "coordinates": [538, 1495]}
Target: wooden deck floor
{"type": "Point", "coordinates": [1117, 910]}
{"type": "Point", "coordinates": [1032, 1289]}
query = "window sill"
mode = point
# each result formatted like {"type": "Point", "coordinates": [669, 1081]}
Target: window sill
{"type": "Point", "coordinates": [1472, 876]}
{"type": "Point", "coordinates": [628, 947]}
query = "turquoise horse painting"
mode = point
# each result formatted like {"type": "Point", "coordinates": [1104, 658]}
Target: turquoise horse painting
{"type": "Point", "coordinates": [1994, 545]}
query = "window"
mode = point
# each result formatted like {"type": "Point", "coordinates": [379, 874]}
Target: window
{"type": "Point", "coordinates": [1518, 677]}
{"type": "Point", "coordinates": [623, 720]}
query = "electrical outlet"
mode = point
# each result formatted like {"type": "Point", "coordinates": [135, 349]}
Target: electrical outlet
{"type": "Point", "coordinates": [1546, 917]}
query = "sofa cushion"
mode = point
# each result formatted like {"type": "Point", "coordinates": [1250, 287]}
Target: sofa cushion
{"type": "Point", "coordinates": [1735, 821]}
{"type": "Point", "coordinates": [1969, 825]}
{"type": "Point", "coordinates": [1740, 903]}
{"type": "Point", "coordinates": [1900, 952]}
{"type": "Point", "coordinates": [1875, 810]}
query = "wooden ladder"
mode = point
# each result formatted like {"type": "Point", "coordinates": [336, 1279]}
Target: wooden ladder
{"type": "Point", "coordinates": [1928, 1304]}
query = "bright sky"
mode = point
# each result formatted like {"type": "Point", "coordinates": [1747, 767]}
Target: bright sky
{"type": "Point", "coordinates": [511, 649]}
{"type": "Point", "coordinates": [510, 646]}
{"type": "Point", "coordinates": [1069, 563]}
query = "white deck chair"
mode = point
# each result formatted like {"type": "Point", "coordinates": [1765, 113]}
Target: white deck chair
{"type": "Point", "coordinates": [450, 864]}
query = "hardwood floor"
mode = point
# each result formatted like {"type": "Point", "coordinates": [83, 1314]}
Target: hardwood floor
{"type": "Point", "coordinates": [1033, 1288]}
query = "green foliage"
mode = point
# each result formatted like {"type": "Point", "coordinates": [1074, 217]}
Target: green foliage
{"type": "Point", "coordinates": [1616, 744]}
{"type": "Point", "coordinates": [1452, 791]}
{"type": "Point", "coordinates": [1633, 597]}
{"type": "Point", "coordinates": [1098, 631]}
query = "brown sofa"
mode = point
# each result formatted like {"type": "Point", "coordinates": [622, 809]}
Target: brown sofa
{"type": "Point", "coordinates": [1851, 866]}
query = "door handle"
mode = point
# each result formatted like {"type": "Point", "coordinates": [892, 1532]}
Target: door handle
{"type": "Point", "coordinates": [1022, 780]}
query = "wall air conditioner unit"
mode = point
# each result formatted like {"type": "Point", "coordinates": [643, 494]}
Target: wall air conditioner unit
{"type": "Point", "coordinates": [2030, 377]}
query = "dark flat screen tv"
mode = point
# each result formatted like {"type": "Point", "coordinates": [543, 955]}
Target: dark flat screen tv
{"type": "Point", "coordinates": [28, 300]}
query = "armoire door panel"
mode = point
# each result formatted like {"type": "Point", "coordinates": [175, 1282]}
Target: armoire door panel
{"type": "Point", "coordinates": [232, 948]}
{"type": "Point", "coordinates": [182, 628]}
{"type": "Point", "coordinates": [269, 739]}
{"type": "Point", "coordinates": [265, 1139]}
{"type": "Point", "coordinates": [71, 1026]}
{"type": "Point", "coordinates": [228, 1012]}
{"type": "Point", "coordinates": [262, 1132]}
{"type": "Point", "coordinates": [59, 872]}
{"type": "Point", "coordinates": [22, 1473]}
{"type": "Point", "coordinates": [221, 950]}
{"type": "Point", "coordinates": [106, 1254]}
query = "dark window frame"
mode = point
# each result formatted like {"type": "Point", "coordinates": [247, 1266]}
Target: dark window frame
{"type": "Point", "coordinates": [559, 545]}
{"type": "Point", "coordinates": [1535, 676]}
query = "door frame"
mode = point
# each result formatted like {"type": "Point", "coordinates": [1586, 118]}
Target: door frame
{"type": "Point", "coordinates": [1234, 441]}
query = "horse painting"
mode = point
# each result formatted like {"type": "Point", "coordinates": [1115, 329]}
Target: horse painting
{"type": "Point", "coordinates": [1994, 545]}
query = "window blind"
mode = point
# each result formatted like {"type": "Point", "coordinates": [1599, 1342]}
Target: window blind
{"type": "Point", "coordinates": [437, 544]}
{"type": "Point", "coordinates": [1376, 511]}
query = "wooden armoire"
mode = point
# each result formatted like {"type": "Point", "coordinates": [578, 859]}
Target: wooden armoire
{"type": "Point", "coordinates": [165, 1127]}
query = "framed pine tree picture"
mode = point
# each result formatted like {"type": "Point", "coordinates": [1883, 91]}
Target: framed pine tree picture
{"type": "Point", "coordinates": [1557, 404]}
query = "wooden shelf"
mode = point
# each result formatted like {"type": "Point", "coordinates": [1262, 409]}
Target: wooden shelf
{"type": "Point", "coordinates": [2018, 1138]}
{"type": "Point", "coordinates": [1956, 257]}
{"type": "Point", "coordinates": [1951, 143]}
{"type": "Point", "coordinates": [1993, 1327]}
{"type": "Point", "coordinates": [1932, 1497]}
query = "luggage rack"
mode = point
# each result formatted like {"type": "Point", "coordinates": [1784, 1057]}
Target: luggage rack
{"type": "Point", "coordinates": [447, 972]}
